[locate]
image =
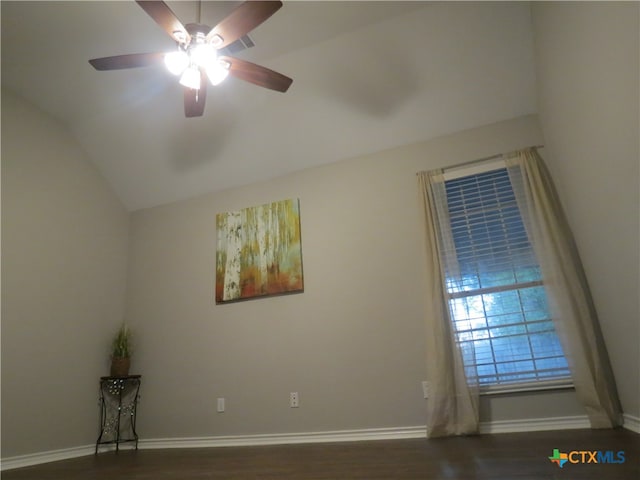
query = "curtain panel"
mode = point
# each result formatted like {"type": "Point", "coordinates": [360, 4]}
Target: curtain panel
{"type": "Point", "coordinates": [452, 406]}
{"type": "Point", "coordinates": [570, 300]}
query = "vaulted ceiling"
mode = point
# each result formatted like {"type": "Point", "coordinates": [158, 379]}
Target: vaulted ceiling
{"type": "Point", "coordinates": [366, 76]}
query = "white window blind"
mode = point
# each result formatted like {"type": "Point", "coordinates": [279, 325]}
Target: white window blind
{"type": "Point", "coordinates": [494, 286]}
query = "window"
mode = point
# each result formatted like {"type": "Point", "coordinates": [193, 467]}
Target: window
{"type": "Point", "coordinates": [494, 287]}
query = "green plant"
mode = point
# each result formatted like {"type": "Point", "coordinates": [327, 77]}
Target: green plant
{"type": "Point", "coordinates": [121, 345]}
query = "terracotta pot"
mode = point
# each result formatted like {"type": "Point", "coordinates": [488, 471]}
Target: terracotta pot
{"type": "Point", "coordinates": [120, 366]}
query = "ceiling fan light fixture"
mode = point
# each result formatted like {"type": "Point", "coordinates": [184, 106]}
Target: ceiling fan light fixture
{"type": "Point", "coordinates": [216, 40]}
{"type": "Point", "coordinates": [203, 54]}
{"type": "Point", "coordinates": [176, 62]}
{"type": "Point", "coordinates": [180, 36]}
{"type": "Point", "coordinates": [191, 78]}
{"type": "Point", "coordinates": [197, 51]}
{"type": "Point", "coordinates": [218, 71]}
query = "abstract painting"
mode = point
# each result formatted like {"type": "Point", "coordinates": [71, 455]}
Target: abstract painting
{"type": "Point", "coordinates": [259, 252]}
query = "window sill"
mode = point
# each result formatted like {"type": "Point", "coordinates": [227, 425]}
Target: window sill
{"type": "Point", "coordinates": [526, 387]}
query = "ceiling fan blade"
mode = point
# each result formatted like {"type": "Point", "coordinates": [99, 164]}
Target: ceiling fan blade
{"type": "Point", "coordinates": [242, 20]}
{"type": "Point", "coordinates": [258, 75]}
{"type": "Point", "coordinates": [194, 99]}
{"type": "Point", "coordinates": [164, 17]}
{"type": "Point", "coordinates": [132, 60]}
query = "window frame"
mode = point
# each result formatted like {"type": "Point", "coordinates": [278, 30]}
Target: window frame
{"type": "Point", "coordinates": [565, 383]}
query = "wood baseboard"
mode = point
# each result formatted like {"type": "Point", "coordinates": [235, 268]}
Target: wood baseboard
{"type": "Point", "coordinates": [535, 424]}
{"type": "Point", "coordinates": [288, 438]}
{"type": "Point", "coordinates": [504, 426]}
{"type": "Point", "coordinates": [30, 459]}
{"type": "Point", "coordinates": [631, 422]}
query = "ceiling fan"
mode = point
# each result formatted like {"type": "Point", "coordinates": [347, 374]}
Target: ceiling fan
{"type": "Point", "coordinates": [197, 57]}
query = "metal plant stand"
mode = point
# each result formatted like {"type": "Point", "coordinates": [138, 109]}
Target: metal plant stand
{"type": "Point", "coordinates": [118, 402]}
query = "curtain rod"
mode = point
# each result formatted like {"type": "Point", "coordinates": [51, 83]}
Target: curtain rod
{"type": "Point", "coordinates": [485, 159]}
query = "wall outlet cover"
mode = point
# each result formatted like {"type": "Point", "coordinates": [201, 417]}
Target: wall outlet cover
{"type": "Point", "coordinates": [426, 388]}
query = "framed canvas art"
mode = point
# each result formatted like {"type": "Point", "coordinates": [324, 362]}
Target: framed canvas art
{"type": "Point", "coordinates": [259, 252]}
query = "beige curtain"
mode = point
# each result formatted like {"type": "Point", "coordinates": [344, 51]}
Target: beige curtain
{"type": "Point", "coordinates": [452, 406]}
{"type": "Point", "coordinates": [570, 300]}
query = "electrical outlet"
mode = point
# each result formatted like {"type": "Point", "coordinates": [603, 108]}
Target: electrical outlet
{"type": "Point", "coordinates": [220, 405]}
{"type": "Point", "coordinates": [294, 401]}
{"type": "Point", "coordinates": [426, 388]}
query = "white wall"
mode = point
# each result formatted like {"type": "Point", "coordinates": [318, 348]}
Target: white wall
{"type": "Point", "coordinates": [352, 344]}
{"type": "Point", "coordinates": [64, 247]}
{"type": "Point", "coordinates": [587, 71]}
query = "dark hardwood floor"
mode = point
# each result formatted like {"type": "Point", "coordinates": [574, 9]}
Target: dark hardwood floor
{"type": "Point", "coordinates": [519, 456]}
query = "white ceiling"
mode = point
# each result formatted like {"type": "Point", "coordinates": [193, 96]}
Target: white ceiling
{"type": "Point", "coordinates": [367, 76]}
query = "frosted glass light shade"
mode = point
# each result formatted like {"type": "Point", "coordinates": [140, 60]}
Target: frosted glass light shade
{"type": "Point", "coordinates": [203, 54]}
{"type": "Point", "coordinates": [176, 62]}
{"type": "Point", "coordinates": [217, 72]}
{"type": "Point", "coordinates": [191, 78]}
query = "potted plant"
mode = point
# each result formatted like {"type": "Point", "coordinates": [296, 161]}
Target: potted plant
{"type": "Point", "coordinates": [121, 352]}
